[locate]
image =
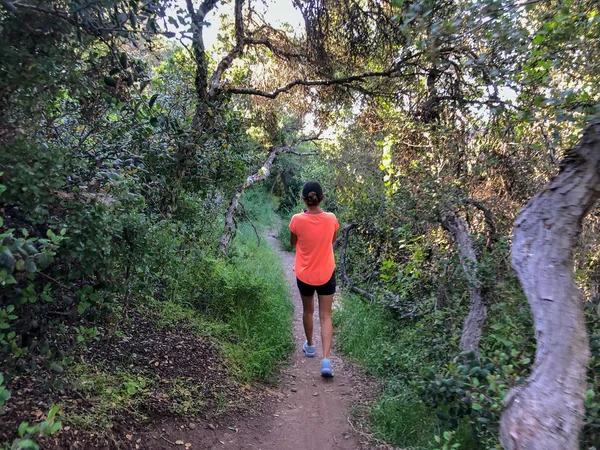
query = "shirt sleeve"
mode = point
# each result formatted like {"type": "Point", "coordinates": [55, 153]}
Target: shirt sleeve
{"type": "Point", "coordinates": [336, 224]}
{"type": "Point", "coordinates": [292, 225]}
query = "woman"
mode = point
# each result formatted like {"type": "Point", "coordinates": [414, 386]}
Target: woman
{"type": "Point", "coordinates": [313, 233]}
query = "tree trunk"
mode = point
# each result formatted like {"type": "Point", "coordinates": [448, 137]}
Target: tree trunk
{"type": "Point", "coordinates": [473, 325]}
{"type": "Point", "coordinates": [546, 412]}
{"type": "Point", "coordinates": [260, 175]}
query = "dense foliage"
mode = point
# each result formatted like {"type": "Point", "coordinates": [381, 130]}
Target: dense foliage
{"type": "Point", "coordinates": [123, 140]}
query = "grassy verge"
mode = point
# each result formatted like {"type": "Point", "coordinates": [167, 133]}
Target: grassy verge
{"type": "Point", "coordinates": [239, 306]}
{"type": "Point", "coordinates": [249, 313]}
{"type": "Point", "coordinates": [283, 232]}
{"type": "Point", "coordinates": [398, 355]}
{"type": "Point", "coordinates": [260, 319]}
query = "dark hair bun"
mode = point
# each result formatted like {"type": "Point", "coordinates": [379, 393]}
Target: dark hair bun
{"type": "Point", "coordinates": [312, 192]}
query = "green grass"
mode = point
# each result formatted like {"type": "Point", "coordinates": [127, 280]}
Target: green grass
{"type": "Point", "coordinates": [262, 319]}
{"type": "Point", "coordinates": [242, 301]}
{"type": "Point", "coordinates": [397, 354]}
{"type": "Point", "coordinates": [259, 315]}
{"type": "Point", "coordinates": [111, 394]}
{"type": "Point", "coordinates": [239, 302]}
{"type": "Point", "coordinates": [283, 232]}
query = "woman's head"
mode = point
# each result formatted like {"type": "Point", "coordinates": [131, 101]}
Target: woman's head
{"type": "Point", "coordinates": [312, 193]}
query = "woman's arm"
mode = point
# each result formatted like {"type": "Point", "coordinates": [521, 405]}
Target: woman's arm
{"type": "Point", "coordinates": [293, 239]}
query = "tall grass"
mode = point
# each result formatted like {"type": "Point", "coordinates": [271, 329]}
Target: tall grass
{"type": "Point", "coordinates": [260, 312]}
{"type": "Point", "coordinates": [397, 355]}
{"type": "Point", "coordinates": [241, 301]}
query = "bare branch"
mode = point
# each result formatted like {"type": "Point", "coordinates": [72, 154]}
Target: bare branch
{"type": "Point", "coordinates": [215, 79]}
{"type": "Point", "coordinates": [302, 153]}
{"type": "Point", "coordinates": [490, 223]}
{"type": "Point", "coordinates": [206, 7]}
{"type": "Point", "coordinates": [277, 51]}
{"type": "Point", "coordinates": [473, 324]}
{"type": "Point", "coordinates": [9, 6]}
{"type": "Point", "coordinates": [549, 146]}
{"type": "Point", "coordinates": [331, 82]}
{"type": "Point", "coordinates": [256, 177]}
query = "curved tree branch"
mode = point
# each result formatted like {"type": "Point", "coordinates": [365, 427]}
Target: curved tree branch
{"type": "Point", "coordinates": [332, 82]}
{"type": "Point", "coordinates": [546, 412]}
{"type": "Point", "coordinates": [490, 222]}
{"type": "Point", "coordinates": [473, 325]}
{"type": "Point", "coordinates": [257, 177]}
{"type": "Point", "coordinates": [225, 63]}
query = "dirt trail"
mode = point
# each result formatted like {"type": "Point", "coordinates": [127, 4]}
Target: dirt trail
{"type": "Point", "coordinates": [307, 412]}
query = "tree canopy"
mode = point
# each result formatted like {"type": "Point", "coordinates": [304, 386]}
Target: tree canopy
{"type": "Point", "coordinates": [127, 146]}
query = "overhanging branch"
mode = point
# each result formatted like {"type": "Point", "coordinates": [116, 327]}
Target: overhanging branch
{"type": "Point", "coordinates": [256, 177]}
{"type": "Point", "coordinates": [331, 82]}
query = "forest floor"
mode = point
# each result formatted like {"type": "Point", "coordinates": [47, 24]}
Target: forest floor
{"type": "Point", "coordinates": [190, 401]}
{"type": "Point", "coordinates": [302, 412]}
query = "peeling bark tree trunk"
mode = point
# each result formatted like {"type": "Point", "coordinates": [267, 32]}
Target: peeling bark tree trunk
{"type": "Point", "coordinates": [260, 175]}
{"type": "Point", "coordinates": [473, 325]}
{"type": "Point", "coordinates": [546, 412]}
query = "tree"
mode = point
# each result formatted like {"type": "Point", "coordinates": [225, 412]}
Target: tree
{"type": "Point", "coordinates": [546, 412]}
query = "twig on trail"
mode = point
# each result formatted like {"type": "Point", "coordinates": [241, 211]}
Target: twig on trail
{"type": "Point", "coordinates": [369, 436]}
{"type": "Point", "coordinates": [57, 282]}
{"type": "Point", "coordinates": [115, 443]}
{"type": "Point", "coordinates": [250, 222]}
{"type": "Point", "coordinates": [168, 441]}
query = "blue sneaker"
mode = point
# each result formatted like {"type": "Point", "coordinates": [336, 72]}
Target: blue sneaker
{"type": "Point", "coordinates": [326, 370]}
{"type": "Point", "coordinates": [309, 350]}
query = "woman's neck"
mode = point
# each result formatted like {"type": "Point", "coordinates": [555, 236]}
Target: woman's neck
{"type": "Point", "coordinates": [316, 209]}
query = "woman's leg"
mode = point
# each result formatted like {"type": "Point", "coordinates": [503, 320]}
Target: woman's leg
{"type": "Point", "coordinates": [308, 307]}
{"type": "Point", "coordinates": [325, 302]}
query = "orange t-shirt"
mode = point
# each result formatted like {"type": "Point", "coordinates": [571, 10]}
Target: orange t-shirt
{"type": "Point", "coordinates": [314, 251]}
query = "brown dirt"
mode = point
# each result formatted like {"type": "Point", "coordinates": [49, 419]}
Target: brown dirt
{"type": "Point", "coordinates": [304, 412]}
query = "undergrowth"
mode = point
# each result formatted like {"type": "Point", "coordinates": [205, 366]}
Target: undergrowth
{"type": "Point", "coordinates": [398, 355]}
{"type": "Point", "coordinates": [241, 306]}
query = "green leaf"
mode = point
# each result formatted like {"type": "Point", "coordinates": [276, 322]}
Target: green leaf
{"type": "Point", "coordinates": [30, 265]}
{"type": "Point", "coordinates": [152, 101]}
{"type": "Point", "coordinates": [476, 406]}
{"type": "Point", "coordinates": [123, 60]}
{"type": "Point", "coordinates": [539, 39]}
{"type": "Point", "coordinates": [27, 444]}
{"type": "Point", "coordinates": [54, 428]}
{"type": "Point", "coordinates": [110, 81]}
{"type": "Point", "coordinates": [53, 411]}
{"type": "Point", "coordinates": [23, 428]}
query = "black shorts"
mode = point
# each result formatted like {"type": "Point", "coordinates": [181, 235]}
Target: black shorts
{"type": "Point", "coordinates": [308, 290]}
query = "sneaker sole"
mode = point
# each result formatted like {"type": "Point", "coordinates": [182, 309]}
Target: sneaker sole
{"type": "Point", "coordinates": [327, 373]}
{"type": "Point", "coordinates": [309, 355]}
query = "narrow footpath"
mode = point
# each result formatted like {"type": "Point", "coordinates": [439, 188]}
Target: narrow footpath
{"type": "Point", "coordinates": [305, 411]}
